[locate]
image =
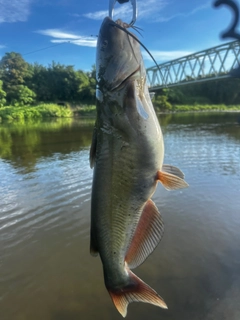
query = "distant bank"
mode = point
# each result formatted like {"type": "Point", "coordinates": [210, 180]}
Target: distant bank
{"type": "Point", "coordinates": [43, 111]}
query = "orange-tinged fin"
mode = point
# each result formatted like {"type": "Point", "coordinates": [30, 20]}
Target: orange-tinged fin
{"type": "Point", "coordinates": [170, 181]}
{"type": "Point", "coordinates": [148, 233]}
{"type": "Point", "coordinates": [93, 148]}
{"type": "Point", "coordinates": [137, 291]}
{"type": "Point", "coordinates": [173, 170]}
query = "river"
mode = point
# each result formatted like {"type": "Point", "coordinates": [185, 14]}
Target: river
{"type": "Point", "coordinates": [46, 271]}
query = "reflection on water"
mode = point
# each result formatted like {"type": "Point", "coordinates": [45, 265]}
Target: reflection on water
{"type": "Point", "coordinates": [23, 144]}
{"type": "Point", "coordinates": [46, 271]}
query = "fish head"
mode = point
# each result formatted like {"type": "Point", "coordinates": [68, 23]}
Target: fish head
{"type": "Point", "coordinates": [122, 90]}
{"type": "Point", "coordinates": [118, 55]}
{"type": "Point", "coordinates": [120, 72]}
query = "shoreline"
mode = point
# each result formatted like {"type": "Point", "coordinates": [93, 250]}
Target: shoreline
{"type": "Point", "coordinates": [196, 111]}
{"type": "Point", "coordinates": [51, 111]}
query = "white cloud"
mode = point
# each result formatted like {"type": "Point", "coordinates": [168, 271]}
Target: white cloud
{"type": "Point", "coordinates": [98, 15]}
{"type": "Point", "coordinates": [145, 10]}
{"type": "Point", "coordinates": [148, 9]}
{"type": "Point", "coordinates": [84, 41]}
{"type": "Point", "coordinates": [161, 56]}
{"type": "Point", "coordinates": [14, 10]}
{"type": "Point", "coordinates": [2, 46]}
{"type": "Point", "coordinates": [56, 33]}
{"type": "Point", "coordinates": [61, 37]}
{"type": "Point", "coordinates": [183, 15]}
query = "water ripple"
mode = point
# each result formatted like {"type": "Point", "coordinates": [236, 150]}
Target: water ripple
{"type": "Point", "coordinates": [43, 198]}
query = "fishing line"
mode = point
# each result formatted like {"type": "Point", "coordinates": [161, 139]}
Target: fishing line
{"type": "Point", "coordinates": [25, 54]}
{"type": "Point", "coordinates": [134, 37]}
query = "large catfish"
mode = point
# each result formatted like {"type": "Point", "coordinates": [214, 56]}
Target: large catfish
{"type": "Point", "coordinates": [127, 155]}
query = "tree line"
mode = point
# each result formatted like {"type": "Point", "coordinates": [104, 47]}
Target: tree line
{"type": "Point", "coordinates": [22, 83]}
{"type": "Point", "coordinates": [215, 92]}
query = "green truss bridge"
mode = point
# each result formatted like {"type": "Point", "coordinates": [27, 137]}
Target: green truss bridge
{"type": "Point", "coordinates": [206, 65]}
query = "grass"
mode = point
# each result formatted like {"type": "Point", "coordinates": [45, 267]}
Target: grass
{"type": "Point", "coordinates": [44, 111]}
{"type": "Point", "coordinates": [85, 111]}
{"type": "Point", "coordinates": [40, 111]}
{"type": "Point", "coordinates": [205, 107]}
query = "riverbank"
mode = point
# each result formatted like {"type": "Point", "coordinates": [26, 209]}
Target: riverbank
{"type": "Point", "coordinates": [205, 107]}
{"type": "Point", "coordinates": [45, 111]}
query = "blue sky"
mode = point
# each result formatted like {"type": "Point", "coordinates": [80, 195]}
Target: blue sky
{"type": "Point", "coordinates": [171, 28]}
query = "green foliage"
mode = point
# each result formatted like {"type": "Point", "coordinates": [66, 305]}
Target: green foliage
{"type": "Point", "coordinates": [13, 70]}
{"type": "Point", "coordinates": [224, 91]}
{"type": "Point", "coordinates": [207, 107]}
{"type": "Point", "coordinates": [34, 112]}
{"type": "Point", "coordinates": [86, 111]}
{"type": "Point", "coordinates": [160, 101]}
{"type": "Point", "coordinates": [21, 95]}
{"type": "Point", "coordinates": [61, 83]}
{"type": "Point", "coordinates": [211, 95]}
{"type": "Point", "coordinates": [2, 95]}
{"type": "Point", "coordinates": [25, 83]}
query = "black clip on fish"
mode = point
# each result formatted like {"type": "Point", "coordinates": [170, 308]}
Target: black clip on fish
{"type": "Point", "coordinates": [134, 5]}
{"type": "Point", "coordinates": [231, 32]}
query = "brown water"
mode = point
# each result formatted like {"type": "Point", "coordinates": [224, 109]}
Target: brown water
{"type": "Point", "coordinates": [46, 271]}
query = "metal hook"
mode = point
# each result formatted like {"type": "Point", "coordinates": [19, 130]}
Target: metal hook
{"type": "Point", "coordinates": [134, 5]}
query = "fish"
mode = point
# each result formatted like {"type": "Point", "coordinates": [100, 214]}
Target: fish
{"type": "Point", "coordinates": [126, 155]}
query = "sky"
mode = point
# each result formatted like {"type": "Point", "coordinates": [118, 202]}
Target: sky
{"type": "Point", "coordinates": [66, 30]}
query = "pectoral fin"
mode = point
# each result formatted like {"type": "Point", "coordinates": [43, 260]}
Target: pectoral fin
{"type": "Point", "coordinates": [171, 181]}
{"type": "Point", "coordinates": [147, 235]}
{"type": "Point", "coordinates": [173, 170]}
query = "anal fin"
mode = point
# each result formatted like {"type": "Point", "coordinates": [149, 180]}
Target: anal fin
{"type": "Point", "coordinates": [147, 235]}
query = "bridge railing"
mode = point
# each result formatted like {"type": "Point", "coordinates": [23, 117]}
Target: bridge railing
{"type": "Point", "coordinates": [205, 65]}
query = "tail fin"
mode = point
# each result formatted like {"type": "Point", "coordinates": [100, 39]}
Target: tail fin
{"type": "Point", "coordinates": [137, 291]}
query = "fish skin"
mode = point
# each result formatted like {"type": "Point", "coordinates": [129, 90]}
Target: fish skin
{"type": "Point", "coordinates": [127, 155]}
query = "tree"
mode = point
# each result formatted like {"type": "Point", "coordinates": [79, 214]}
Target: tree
{"type": "Point", "coordinates": [62, 83]}
{"type": "Point", "coordinates": [22, 95]}
{"type": "Point", "coordinates": [13, 70]}
{"type": "Point", "coordinates": [161, 102]}
{"type": "Point", "coordinates": [2, 95]}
